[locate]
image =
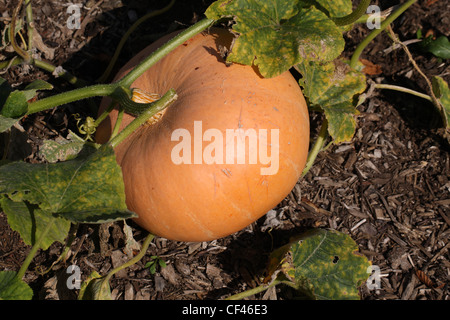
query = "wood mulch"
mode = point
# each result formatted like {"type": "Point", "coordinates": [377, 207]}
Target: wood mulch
{"type": "Point", "coordinates": [388, 188]}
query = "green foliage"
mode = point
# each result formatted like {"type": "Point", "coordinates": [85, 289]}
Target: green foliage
{"type": "Point", "coordinates": [321, 264]}
{"type": "Point", "coordinates": [154, 262]}
{"type": "Point", "coordinates": [442, 93]}
{"type": "Point", "coordinates": [440, 46]}
{"type": "Point", "coordinates": [333, 87]}
{"type": "Point", "coordinates": [64, 149]}
{"type": "Point", "coordinates": [277, 35]}
{"type": "Point", "coordinates": [14, 103]}
{"type": "Point", "coordinates": [86, 189]}
{"type": "Point", "coordinates": [31, 222]}
{"type": "Point", "coordinates": [12, 288]}
{"type": "Point", "coordinates": [95, 287]}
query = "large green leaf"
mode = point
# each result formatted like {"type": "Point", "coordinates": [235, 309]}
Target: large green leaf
{"type": "Point", "coordinates": [332, 87]}
{"type": "Point", "coordinates": [322, 264]}
{"type": "Point", "coordinates": [86, 189]}
{"type": "Point", "coordinates": [12, 288]}
{"type": "Point", "coordinates": [275, 35]}
{"type": "Point", "coordinates": [30, 222]}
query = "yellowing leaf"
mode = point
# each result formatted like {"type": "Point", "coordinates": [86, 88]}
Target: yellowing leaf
{"type": "Point", "coordinates": [86, 189]}
{"type": "Point", "coordinates": [442, 92]}
{"type": "Point", "coordinates": [322, 264]}
{"type": "Point", "coordinates": [275, 35]}
{"type": "Point", "coordinates": [332, 86]}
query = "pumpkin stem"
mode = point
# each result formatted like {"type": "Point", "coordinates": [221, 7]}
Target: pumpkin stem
{"type": "Point", "coordinates": [152, 109]}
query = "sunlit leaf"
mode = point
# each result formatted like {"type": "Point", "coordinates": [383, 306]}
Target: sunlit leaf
{"type": "Point", "coordinates": [332, 87]}
{"type": "Point", "coordinates": [323, 264]}
{"type": "Point", "coordinates": [12, 288]}
{"type": "Point", "coordinates": [95, 288]}
{"type": "Point", "coordinates": [442, 92]}
{"type": "Point", "coordinates": [275, 35]}
{"type": "Point", "coordinates": [30, 222]}
{"type": "Point", "coordinates": [86, 189]}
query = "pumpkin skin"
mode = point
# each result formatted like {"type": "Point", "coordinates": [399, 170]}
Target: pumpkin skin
{"type": "Point", "coordinates": [203, 202]}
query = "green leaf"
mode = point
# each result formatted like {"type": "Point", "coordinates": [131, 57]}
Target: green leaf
{"type": "Point", "coordinates": [275, 35]}
{"type": "Point", "coordinates": [442, 93]}
{"type": "Point", "coordinates": [12, 288]}
{"type": "Point", "coordinates": [30, 222]}
{"type": "Point", "coordinates": [95, 287]}
{"type": "Point", "coordinates": [335, 8]}
{"type": "Point", "coordinates": [440, 46]}
{"type": "Point", "coordinates": [332, 87]}
{"type": "Point", "coordinates": [324, 264]}
{"type": "Point", "coordinates": [87, 189]}
{"type": "Point", "coordinates": [5, 90]}
{"type": "Point", "coordinates": [31, 89]}
{"type": "Point", "coordinates": [64, 149]}
{"type": "Point", "coordinates": [16, 105]}
{"type": "Point", "coordinates": [7, 123]}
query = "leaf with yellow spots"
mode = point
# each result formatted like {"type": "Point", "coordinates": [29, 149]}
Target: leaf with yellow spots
{"type": "Point", "coordinates": [333, 87]}
{"type": "Point", "coordinates": [86, 189]}
{"type": "Point", "coordinates": [276, 35]}
{"type": "Point", "coordinates": [321, 264]}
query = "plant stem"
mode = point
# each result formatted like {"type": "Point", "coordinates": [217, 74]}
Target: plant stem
{"type": "Point", "coordinates": [156, 107]}
{"type": "Point", "coordinates": [179, 39]}
{"type": "Point", "coordinates": [354, 16]}
{"type": "Point", "coordinates": [355, 58]}
{"type": "Point", "coordinates": [36, 246]}
{"type": "Point", "coordinates": [70, 96]}
{"type": "Point", "coordinates": [402, 89]}
{"type": "Point", "coordinates": [258, 289]}
{"type": "Point", "coordinates": [318, 145]}
{"type": "Point", "coordinates": [125, 37]}
{"type": "Point", "coordinates": [30, 23]}
{"type": "Point", "coordinates": [132, 261]}
{"type": "Point", "coordinates": [12, 36]}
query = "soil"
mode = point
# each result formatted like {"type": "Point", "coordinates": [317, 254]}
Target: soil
{"type": "Point", "coordinates": [388, 188]}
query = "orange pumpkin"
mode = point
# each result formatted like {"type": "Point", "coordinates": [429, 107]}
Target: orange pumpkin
{"type": "Point", "coordinates": [228, 150]}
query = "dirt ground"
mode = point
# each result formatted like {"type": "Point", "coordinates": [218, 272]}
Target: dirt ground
{"type": "Point", "coordinates": [388, 189]}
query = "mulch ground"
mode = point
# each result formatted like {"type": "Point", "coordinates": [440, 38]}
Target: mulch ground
{"type": "Point", "coordinates": [388, 189]}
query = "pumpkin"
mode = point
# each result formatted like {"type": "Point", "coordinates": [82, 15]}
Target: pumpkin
{"type": "Point", "coordinates": [229, 149]}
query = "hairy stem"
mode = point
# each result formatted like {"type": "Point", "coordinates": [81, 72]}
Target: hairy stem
{"type": "Point", "coordinates": [354, 16]}
{"type": "Point", "coordinates": [355, 58]}
{"type": "Point", "coordinates": [155, 107]}
{"type": "Point", "coordinates": [36, 246]}
{"type": "Point", "coordinates": [179, 39]}
{"type": "Point", "coordinates": [402, 89]}
{"type": "Point", "coordinates": [132, 261]}
{"type": "Point", "coordinates": [125, 37]}
{"type": "Point", "coordinates": [70, 96]}
{"type": "Point", "coordinates": [318, 145]}
{"type": "Point", "coordinates": [30, 23]}
{"type": "Point", "coordinates": [258, 289]}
